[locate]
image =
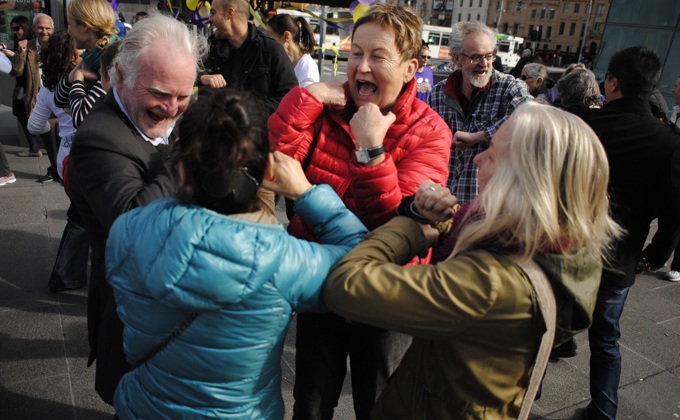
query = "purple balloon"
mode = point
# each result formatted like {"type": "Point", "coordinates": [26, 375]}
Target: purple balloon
{"type": "Point", "coordinates": [114, 4]}
{"type": "Point", "coordinates": [366, 1]}
{"type": "Point", "coordinates": [353, 6]}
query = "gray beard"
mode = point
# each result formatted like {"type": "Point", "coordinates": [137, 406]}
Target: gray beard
{"type": "Point", "coordinates": [480, 82]}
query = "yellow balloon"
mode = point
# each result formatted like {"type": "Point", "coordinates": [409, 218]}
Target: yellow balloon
{"type": "Point", "coordinates": [204, 10]}
{"type": "Point", "coordinates": [192, 4]}
{"type": "Point", "coordinates": [359, 11]}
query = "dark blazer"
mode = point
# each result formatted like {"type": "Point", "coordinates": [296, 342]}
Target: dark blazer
{"type": "Point", "coordinates": [644, 180]}
{"type": "Point", "coordinates": [112, 169]}
{"type": "Point", "coordinates": [265, 71]}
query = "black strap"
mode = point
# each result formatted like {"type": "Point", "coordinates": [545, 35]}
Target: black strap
{"type": "Point", "coordinates": [176, 333]}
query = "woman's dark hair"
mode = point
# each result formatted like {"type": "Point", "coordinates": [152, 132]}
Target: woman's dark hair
{"type": "Point", "coordinates": [299, 30]}
{"type": "Point", "coordinates": [223, 146]}
{"type": "Point", "coordinates": [57, 58]}
{"type": "Point", "coordinates": [25, 24]}
{"type": "Point", "coordinates": [108, 55]}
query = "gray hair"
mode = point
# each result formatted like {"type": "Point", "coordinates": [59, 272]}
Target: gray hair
{"type": "Point", "coordinates": [579, 87]}
{"type": "Point", "coordinates": [536, 70]}
{"type": "Point", "coordinates": [144, 35]}
{"type": "Point", "coordinates": [42, 15]}
{"type": "Point", "coordinates": [461, 29]}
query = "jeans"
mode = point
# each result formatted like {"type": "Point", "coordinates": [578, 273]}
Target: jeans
{"type": "Point", "coordinates": [323, 343]}
{"type": "Point", "coordinates": [605, 357]}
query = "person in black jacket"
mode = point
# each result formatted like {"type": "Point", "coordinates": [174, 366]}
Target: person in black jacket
{"type": "Point", "coordinates": [120, 160]}
{"type": "Point", "coordinates": [243, 57]}
{"type": "Point", "coordinates": [644, 182]}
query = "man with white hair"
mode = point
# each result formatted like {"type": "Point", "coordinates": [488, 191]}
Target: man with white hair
{"type": "Point", "coordinates": [121, 160]}
{"type": "Point", "coordinates": [25, 64]}
{"type": "Point", "coordinates": [474, 100]}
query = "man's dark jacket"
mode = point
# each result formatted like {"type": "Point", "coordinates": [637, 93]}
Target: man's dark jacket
{"type": "Point", "coordinates": [112, 169]}
{"type": "Point", "coordinates": [266, 70]}
{"type": "Point", "coordinates": [644, 180]}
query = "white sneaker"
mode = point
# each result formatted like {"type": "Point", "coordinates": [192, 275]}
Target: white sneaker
{"type": "Point", "coordinates": [672, 275]}
{"type": "Point", "coordinates": [7, 179]}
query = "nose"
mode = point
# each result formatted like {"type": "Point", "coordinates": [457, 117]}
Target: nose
{"type": "Point", "coordinates": [363, 66]}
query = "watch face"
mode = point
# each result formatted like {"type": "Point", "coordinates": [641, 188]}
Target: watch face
{"type": "Point", "coordinates": [362, 155]}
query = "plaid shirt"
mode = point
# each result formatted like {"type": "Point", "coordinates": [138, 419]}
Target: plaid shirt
{"type": "Point", "coordinates": [486, 112]}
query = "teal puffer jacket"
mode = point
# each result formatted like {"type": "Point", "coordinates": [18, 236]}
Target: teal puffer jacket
{"type": "Point", "coordinates": [244, 279]}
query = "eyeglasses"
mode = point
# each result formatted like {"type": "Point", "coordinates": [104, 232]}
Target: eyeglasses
{"type": "Point", "coordinates": [525, 77]}
{"type": "Point", "coordinates": [477, 58]}
{"type": "Point", "coordinates": [16, 28]}
{"type": "Point", "coordinates": [425, 57]}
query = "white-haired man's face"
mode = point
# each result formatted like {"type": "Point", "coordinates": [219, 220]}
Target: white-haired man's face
{"type": "Point", "coordinates": [162, 89]}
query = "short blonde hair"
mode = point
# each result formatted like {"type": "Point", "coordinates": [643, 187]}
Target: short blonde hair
{"type": "Point", "coordinates": [405, 24]}
{"type": "Point", "coordinates": [548, 194]}
{"type": "Point", "coordinates": [96, 15]}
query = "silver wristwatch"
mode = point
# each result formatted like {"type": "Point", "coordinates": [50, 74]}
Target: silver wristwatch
{"type": "Point", "coordinates": [367, 155]}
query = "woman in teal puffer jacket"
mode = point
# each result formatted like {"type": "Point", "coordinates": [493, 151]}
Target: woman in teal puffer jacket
{"type": "Point", "coordinates": [215, 253]}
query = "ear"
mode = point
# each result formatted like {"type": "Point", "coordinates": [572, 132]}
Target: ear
{"type": "Point", "coordinates": [287, 36]}
{"type": "Point", "coordinates": [120, 73]}
{"type": "Point", "coordinates": [456, 58]}
{"type": "Point", "coordinates": [269, 170]}
{"type": "Point", "coordinates": [410, 70]}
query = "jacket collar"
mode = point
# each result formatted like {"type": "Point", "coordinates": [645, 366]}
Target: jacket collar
{"type": "Point", "coordinates": [629, 105]}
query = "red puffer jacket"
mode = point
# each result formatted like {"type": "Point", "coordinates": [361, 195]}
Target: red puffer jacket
{"type": "Point", "coordinates": [417, 148]}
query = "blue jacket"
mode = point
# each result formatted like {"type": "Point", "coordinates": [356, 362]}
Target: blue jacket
{"type": "Point", "coordinates": [244, 279]}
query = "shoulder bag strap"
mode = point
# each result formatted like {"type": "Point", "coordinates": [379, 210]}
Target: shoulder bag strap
{"type": "Point", "coordinates": [546, 302]}
{"type": "Point", "coordinates": [176, 333]}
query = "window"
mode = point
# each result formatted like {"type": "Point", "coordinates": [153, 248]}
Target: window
{"type": "Point", "coordinates": [552, 14]}
{"type": "Point", "coordinates": [583, 30]}
{"type": "Point", "coordinates": [433, 39]}
{"type": "Point", "coordinates": [470, 5]}
{"type": "Point", "coordinates": [505, 28]}
{"type": "Point", "coordinates": [572, 29]}
{"type": "Point", "coordinates": [480, 3]}
{"type": "Point", "coordinates": [515, 29]}
{"type": "Point", "coordinates": [478, 17]}
{"type": "Point", "coordinates": [561, 30]}
{"type": "Point", "coordinates": [533, 14]}
{"type": "Point", "coordinates": [531, 29]}
{"type": "Point", "coordinates": [548, 32]}
{"type": "Point", "coordinates": [565, 8]}
{"type": "Point", "coordinates": [577, 8]}
{"type": "Point", "coordinates": [460, 16]}
{"type": "Point", "coordinates": [542, 13]}
{"type": "Point", "coordinates": [469, 17]}
{"type": "Point", "coordinates": [461, 3]}
{"type": "Point", "coordinates": [599, 9]}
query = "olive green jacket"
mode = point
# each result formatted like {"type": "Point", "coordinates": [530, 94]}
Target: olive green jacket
{"type": "Point", "coordinates": [474, 318]}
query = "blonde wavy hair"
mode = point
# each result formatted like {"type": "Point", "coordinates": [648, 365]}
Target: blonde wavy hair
{"type": "Point", "coordinates": [548, 192]}
{"type": "Point", "coordinates": [96, 15]}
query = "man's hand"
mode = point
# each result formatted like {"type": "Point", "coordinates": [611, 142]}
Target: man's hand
{"type": "Point", "coordinates": [215, 81]}
{"type": "Point", "coordinates": [328, 93]}
{"type": "Point", "coordinates": [462, 139]}
{"type": "Point", "coordinates": [434, 202]}
{"type": "Point", "coordinates": [82, 74]}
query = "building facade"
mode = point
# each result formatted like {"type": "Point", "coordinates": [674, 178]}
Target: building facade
{"type": "Point", "coordinates": [639, 22]}
{"type": "Point", "coordinates": [560, 31]}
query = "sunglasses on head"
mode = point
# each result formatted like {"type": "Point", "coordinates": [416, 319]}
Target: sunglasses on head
{"type": "Point", "coordinates": [524, 77]}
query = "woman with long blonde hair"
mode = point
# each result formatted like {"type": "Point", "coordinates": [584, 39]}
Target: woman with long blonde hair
{"type": "Point", "coordinates": [474, 313]}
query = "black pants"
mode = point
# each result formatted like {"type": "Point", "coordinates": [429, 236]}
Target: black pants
{"type": "Point", "coordinates": [323, 343]}
{"type": "Point", "coordinates": [70, 266]}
